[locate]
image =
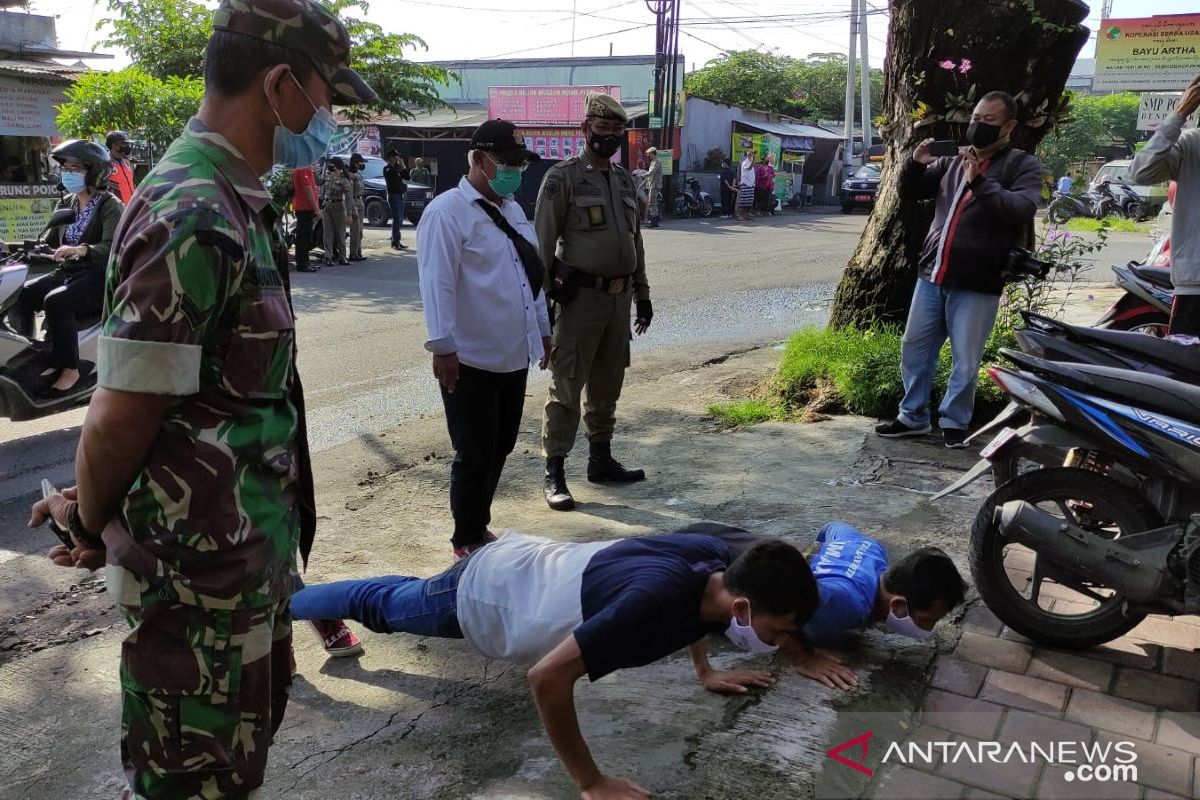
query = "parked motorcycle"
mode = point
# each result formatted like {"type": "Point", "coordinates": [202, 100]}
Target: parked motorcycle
{"type": "Point", "coordinates": [1146, 305]}
{"type": "Point", "coordinates": [1096, 204]}
{"type": "Point", "coordinates": [692, 202]}
{"type": "Point", "coordinates": [1129, 203]}
{"type": "Point", "coordinates": [23, 361]}
{"type": "Point", "coordinates": [1079, 552]}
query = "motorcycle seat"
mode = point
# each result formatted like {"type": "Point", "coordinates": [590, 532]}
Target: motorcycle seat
{"type": "Point", "coordinates": [1159, 276]}
{"type": "Point", "coordinates": [1139, 389]}
{"type": "Point", "coordinates": [1152, 348]}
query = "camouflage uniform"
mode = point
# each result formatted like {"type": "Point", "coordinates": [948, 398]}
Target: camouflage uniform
{"type": "Point", "coordinates": [338, 199]}
{"type": "Point", "coordinates": [357, 209]}
{"type": "Point", "coordinates": [198, 309]}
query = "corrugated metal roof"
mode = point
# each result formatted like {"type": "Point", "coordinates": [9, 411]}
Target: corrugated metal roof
{"type": "Point", "coordinates": [789, 129]}
{"type": "Point", "coordinates": [463, 116]}
{"type": "Point", "coordinates": [40, 68]}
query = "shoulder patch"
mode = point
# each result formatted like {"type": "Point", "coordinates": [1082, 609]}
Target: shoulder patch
{"type": "Point", "coordinates": [552, 187]}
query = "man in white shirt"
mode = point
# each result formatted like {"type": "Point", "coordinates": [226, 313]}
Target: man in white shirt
{"type": "Point", "coordinates": [486, 316]}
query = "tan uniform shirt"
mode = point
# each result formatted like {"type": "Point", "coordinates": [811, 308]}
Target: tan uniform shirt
{"type": "Point", "coordinates": [589, 219]}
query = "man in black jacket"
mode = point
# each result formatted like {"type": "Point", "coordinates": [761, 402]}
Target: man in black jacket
{"type": "Point", "coordinates": [395, 174]}
{"type": "Point", "coordinates": [986, 197]}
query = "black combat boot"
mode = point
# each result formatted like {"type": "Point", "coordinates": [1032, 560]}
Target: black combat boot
{"type": "Point", "coordinates": [558, 496]}
{"type": "Point", "coordinates": [603, 468]}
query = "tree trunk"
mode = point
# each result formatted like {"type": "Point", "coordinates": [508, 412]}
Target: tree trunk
{"type": "Point", "coordinates": [1024, 47]}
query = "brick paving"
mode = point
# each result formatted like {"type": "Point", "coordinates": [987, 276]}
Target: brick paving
{"type": "Point", "coordinates": [1142, 689]}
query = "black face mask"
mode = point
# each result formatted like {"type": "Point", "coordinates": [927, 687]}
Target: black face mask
{"type": "Point", "coordinates": [982, 134]}
{"type": "Point", "coordinates": [604, 146]}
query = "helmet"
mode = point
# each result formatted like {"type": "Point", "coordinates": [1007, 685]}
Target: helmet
{"type": "Point", "coordinates": [88, 154]}
{"type": "Point", "coordinates": [116, 137]}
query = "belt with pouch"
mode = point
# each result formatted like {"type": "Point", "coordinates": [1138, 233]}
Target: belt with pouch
{"type": "Point", "coordinates": [602, 283]}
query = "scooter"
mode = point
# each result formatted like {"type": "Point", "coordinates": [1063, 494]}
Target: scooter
{"type": "Point", "coordinates": [1129, 203]}
{"type": "Point", "coordinates": [1078, 553]}
{"type": "Point", "coordinates": [1146, 305]}
{"type": "Point", "coordinates": [691, 201]}
{"type": "Point", "coordinates": [23, 361]}
{"type": "Point", "coordinates": [1096, 204]}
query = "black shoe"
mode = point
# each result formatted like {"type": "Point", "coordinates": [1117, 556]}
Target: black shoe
{"type": "Point", "coordinates": [308, 268]}
{"type": "Point", "coordinates": [955, 438]}
{"type": "Point", "coordinates": [603, 468]}
{"type": "Point", "coordinates": [898, 430]}
{"type": "Point", "coordinates": [329, 262]}
{"type": "Point", "coordinates": [359, 257]}
{"type": "Point", "coordinates": [343, 261]}
{"type": "Point", "coordinates": [558, 496]}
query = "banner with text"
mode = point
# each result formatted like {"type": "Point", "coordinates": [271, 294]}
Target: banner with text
{"type": "Point", "coordinates": [1160, 53]}
{"type": "Point", "coordinates": [27, 105]}
{"type": "Point", "coordinates": [1156, 107]}
{"type": "Point", "coordinates": [25, 208]}
{"type": "Point", "coordinates": [543, 105]}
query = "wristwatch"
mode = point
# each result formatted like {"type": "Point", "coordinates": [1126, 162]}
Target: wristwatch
{"type": "Point", "coordinates": [85, 540]}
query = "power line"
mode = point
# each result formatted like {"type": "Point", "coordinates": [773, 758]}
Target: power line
{"type": "Point", "coordinates": [560, 44]}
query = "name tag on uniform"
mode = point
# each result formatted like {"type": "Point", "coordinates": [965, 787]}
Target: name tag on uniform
{"type": "Point", "coordinates": [595, 215]}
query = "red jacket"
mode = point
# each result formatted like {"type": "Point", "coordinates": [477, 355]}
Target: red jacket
{"type": "Point", "coordinates": [303, 200]}
{"type": "Point", "coordinates": [122, 179]}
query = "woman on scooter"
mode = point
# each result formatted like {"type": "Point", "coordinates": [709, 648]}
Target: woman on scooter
{"type": "Point", "coordinates": [76, 288]}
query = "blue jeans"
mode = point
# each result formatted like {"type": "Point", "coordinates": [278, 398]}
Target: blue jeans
{"type": "Point", "coordinates": [396, 205]}
{"type": "Point", "coordinates": [937, 312]}
{"type": "Point", "coordinates": [391, 604]}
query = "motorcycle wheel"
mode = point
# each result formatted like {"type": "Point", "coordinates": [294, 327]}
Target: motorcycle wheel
{"type": "Point", "coordinates": [706, 206]}
{"type": "Point", "coordinates": [1152, 323]}
{"type": "Point", "coordinates": [1060, 211]}
{"type": "Point", "coordinates": [1092, 501]}
{"type": "Point", "coordinates": [1134, 212]}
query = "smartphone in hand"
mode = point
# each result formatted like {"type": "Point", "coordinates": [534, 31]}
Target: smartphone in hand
{"type": "Point", "coordinates": [943, 148]}
{"type": "Point", "coordinates": [64, 537]}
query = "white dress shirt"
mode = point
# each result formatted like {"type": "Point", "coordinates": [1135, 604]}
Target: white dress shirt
{"type": "Point", "coordinates": [473, 284]}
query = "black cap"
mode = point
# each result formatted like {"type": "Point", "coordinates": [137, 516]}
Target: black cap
{"type": "Point", "coordinates": [336, 161]}
{"type": "Point", "coordinates": [502, 138]}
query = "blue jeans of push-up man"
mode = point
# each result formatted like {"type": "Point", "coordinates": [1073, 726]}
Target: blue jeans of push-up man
{"type": "Point", "coordinates": [389, 604]}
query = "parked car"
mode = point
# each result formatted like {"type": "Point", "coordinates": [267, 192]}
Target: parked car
{"type": "Point", "coordinates": [860, 188]}
{"type": "Point", "coordinates": [1153, 197]}
{"type": "Point", "coordinates": [377, 213]}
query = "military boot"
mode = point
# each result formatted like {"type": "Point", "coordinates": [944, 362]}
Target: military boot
{"type": "Point", "coordinates": [603, 468]}
{"type": "Point", "coordinates": [558, 496]}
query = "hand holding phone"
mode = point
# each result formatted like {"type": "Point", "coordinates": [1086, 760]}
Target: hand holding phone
{"type": "Point", "coordinates": [943, 148]}
{"type": "Point", "coordinates": [47, 491]}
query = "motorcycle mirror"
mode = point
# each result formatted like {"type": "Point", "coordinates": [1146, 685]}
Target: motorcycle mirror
{"type": "Point", "coordinates": [63, 216]}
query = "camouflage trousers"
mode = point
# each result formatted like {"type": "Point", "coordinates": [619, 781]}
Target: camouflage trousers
{"type": "Point", "coordinates": [203, 692]}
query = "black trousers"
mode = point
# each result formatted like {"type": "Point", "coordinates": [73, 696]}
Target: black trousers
{"type": "Point", "coordinates": [1185, 315]}
{"type": "Point", "coordinates": [305, 220]}
{"type": "Point", "coordinates": [483, 416]}
{"type": "Point", "coordinates": [728, 201]}
{"type": "Point", "coordinates": [63, 299]}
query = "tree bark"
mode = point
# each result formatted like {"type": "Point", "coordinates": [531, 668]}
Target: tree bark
{"type": "Point", "coordinates": [1023, 47]}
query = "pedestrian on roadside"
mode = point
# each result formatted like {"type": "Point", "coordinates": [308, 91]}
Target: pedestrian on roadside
{"type": "Point", "coordinates": [1174, 154]}
{"type": "Point", "coordinates": [305, 204]}
{"type": "Point", "coordinates": [485, 311]}
{"type": "Point", "coordinates": [194, 485]}
{"type": "Point", "coordinates": [590, 236]}
{"type": "Point", "coordinates": [985, 199]}
{"type": "Point", "coordinates": [395, 175]}
{"type": "Point", "coordinates": [746, 181]}
{"type": "Point", "coordinates": [728, 189]}
{"type": "Point", "coordinates": [654, 184]}
{"type": "Point", "coordinates": [420, 173]}
{"type": "Point", "coordinates": [764, 185]}
{"type": "Point", "coordinates": [357, 207]}
{"type": "Point", "coordinates": [338, 200]}
{"type": "Point", "coordinates": [121, 182]}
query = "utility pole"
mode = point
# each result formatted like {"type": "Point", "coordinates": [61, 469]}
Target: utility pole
{"type": "Point", "coordinates": [866, 76]}
{"type": "Point", "coordinates": [848, 156]}
{"type": "Point", "coordinates": [1106, 10]}
{"type": "Point", "coordinates": [574, 15]}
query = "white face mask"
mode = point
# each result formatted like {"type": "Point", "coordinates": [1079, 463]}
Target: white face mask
{"type": "Point", "coordinates": [905, 626]}
{"type": "Point", "coordinates": [744, 637]}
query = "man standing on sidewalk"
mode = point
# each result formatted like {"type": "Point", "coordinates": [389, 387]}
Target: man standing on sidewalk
{"type": "Point", "coordinates": [194, 481]}
{"type": "Point", "coordinates": [357, 207]}
{"type": "Point", "coordinates": [122, 180]}
{"type": "Point", "coordinates": [590, 236]}
{"type": "Point", "coordinates": [420, 173]}
{"type": "Point", "coordinates": [306, 205]}
{"type": "Point", "coordinates": [395, 176]}
{"type": "Point", "coordinates": [338, 200]}
{"type": "Point", "coordinates": [1174, 154]}
{"type": "Point", "coordinates": [986, 197]}
{"type": "Point", "coordinates": [481, 286]}
{"type": "Point", "coordinates": [654, 182]}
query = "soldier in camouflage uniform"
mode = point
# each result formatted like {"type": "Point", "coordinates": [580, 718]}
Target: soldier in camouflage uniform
{"type": "Point", "coordinates": [339, 198]}
{"type": "Point", "coordinates": [357, 207]}
{"type": "Point", "coordinates": [589, 231]}
{"type": "Point", "coordinates": [194, 450]}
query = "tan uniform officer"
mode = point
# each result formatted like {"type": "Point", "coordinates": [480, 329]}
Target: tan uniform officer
{"type": "Point", "coordinates": [338, 199]}
{"type": "Point", "coordinates": [357, 207]}
{"type": "Point", "coordinates": [589, 232]}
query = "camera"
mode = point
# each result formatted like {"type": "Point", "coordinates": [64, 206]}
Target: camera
{"type": "Point", "coordinates": [1022, 265]}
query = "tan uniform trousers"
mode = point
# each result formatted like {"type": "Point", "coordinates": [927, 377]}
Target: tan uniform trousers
{"type": "Point", "coordinates": [588, 355]}
{"type": "Point", "coordinates": [356, 209]}
{"type": "Point", "coordinates": [333, 218]}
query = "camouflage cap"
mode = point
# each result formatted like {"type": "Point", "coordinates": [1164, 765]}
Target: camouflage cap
{"type": "Point", "coordinates": [305, 27]}
{"type": "Point", "coordinates": [605, 107]}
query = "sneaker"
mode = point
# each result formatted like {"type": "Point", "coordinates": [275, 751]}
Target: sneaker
{"type": "Point", "coordinates": [337, 639]}
{"type": "Point", "coordinates": [955, 438]}
{"type": "Point", "coordinates": [462, 551]}
{"type": "Point", "coordinates": [898, 430]}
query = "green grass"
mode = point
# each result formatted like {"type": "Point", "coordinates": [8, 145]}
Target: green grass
{"type": "Point", "coordinates": [1119, 224]}
{"type": "Point", "coordinates": [747, 412]}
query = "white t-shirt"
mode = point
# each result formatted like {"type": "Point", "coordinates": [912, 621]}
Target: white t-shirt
{"type": "Point", "coordinates": [747, 179]}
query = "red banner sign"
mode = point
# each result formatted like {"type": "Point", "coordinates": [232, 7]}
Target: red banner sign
{"type": "Point", "coordinates": [543, 105]}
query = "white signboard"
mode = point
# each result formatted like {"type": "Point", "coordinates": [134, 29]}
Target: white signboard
{"type": "Point", "coordinates": [1156, 107]}
{"type": "Point", "coordinates": [27, 105]}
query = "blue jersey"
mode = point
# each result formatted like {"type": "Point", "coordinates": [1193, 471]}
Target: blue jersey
{"type": "Point", "coordinates": [847, 567]}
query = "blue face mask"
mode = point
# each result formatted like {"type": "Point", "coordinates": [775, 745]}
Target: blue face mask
{"type": "Point", "coordinates": [73, 182]}
{"type": "Point", "coordinates": [294, 150]}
